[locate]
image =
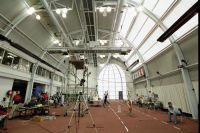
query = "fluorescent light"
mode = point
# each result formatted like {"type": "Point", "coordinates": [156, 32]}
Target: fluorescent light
{"type": "Point", "coordinates": [58, 11]}
{"type": "Point", "coordinates": [31, 10]}
{"type": "Point", "coordinates": [101, 9]}
{"type": "Point", "coordinates": [38, 17]}
{"type": "Point", "coordinates": [64, 15]}
{"type": "Point", "coordinates": [108, 9]}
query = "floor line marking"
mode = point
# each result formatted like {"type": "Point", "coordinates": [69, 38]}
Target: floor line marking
{"type": "Point", "coordinates": [164, 122]}
{"type": "Point", "coordinates": [155, 118]}
{"type": "Point", "coordinates": [176, 127]}
{"type": "Point", "coordinates": [119, 119]}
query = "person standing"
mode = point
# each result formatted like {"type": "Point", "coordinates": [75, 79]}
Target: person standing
{"type": "Point", "coordinates": [105, 99]}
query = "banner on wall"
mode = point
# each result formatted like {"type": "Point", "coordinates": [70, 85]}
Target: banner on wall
{"type": "Point", "coordinates": [139, 73]}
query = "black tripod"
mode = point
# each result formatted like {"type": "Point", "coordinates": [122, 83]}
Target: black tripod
{"type": "Point", "coordinates": [78, 112]}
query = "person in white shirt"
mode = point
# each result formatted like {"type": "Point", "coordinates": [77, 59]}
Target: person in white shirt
{"type": "Point", "coordinates": [172, 111]}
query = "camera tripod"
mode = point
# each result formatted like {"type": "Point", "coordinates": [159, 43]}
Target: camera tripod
{"type": "Point", "coordinates": [78, 112]}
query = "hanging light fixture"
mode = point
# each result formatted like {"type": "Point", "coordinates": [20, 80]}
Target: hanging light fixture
{"type": "Point", "coordinates": [108, 9]}
{"type": "Point", "coordinates": [31, 10]}
{"type": "Point", "coordinates": [65, 10]}
{"type": "Point", "coordinates": [38, 17]}
{"type": "Point", "coordinates": [101, 9]}
{"type": "Point", "coordinates": [58, 11]}
{"type": "Point", "coordinates": [64, 15]}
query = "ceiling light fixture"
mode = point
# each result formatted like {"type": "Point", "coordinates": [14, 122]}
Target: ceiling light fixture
{"type": "Point", "coordinates": [65, 10]}
{"type": "Point", "coordinates": [102, 56]}
{"type": "Point", "coordinates": [115, 55]}
{"type": "Point", "coordinates": [101, 9]}
{"type": "Point", "coordinates": [59, 44]}
{"type": "Point", "coordinates": [108, 9]}
{"type": "Point", "coordinates": [58, 11]}
{"type": "Point", "coordinates": [56, 41]}
{"type": "Point", "coordinates": [31, 10]}
{"type": "Point", "coordinates": [64, 15]}
{"type": "Point", "coordinates": [38, 17]}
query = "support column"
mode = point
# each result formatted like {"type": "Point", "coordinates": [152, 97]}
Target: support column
{"type": "Point", "coordinates": [31, 83]}
{"type": "Point", "coordinates": [190, 92]}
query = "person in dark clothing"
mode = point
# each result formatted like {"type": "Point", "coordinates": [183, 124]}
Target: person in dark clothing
{"type": "Point", "coordinates": [105, 99]}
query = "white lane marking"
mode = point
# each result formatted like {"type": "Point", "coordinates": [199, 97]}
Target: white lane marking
{"type": "Point", "coordinates": [155, 118]}
{"type": "Point", "coordinates": [164, 122]}
{"type": "Point", "coordinates": [177, 128]}
{"type": "Point", "coordinates": [119, 119]}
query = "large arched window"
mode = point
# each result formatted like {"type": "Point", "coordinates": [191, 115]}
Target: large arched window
{"type": "Point", "coordinates": [112, 79]}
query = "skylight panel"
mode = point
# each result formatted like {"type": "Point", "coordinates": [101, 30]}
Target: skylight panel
{"type": "Point", "coordinates": [179, 10]}
{"type": "Point", "coordinates": [137, 26]}
{"type": "Point", "coordinates": [138, 1]}
{"type": "Point", "coordinates": [156, 49]}
{"type": "Point", "coordinates": [144, 31]}
{"type": "Point", "coordinates": [127, 21]}
{"type": "Point", "coordinates": [162, 7]}
{"type": "Point", "coordinates": [193, 22]}
{"type": "Point", "coordinates": [150, 41]}
{"type": "Point", "coordinates": [150, 4]}
{"type": "Point", "coordinates": [128, 55]}
{"type": "Point", "coordinates": [122, 20]}
{"type": "Point", "coordinates": [132, 59]}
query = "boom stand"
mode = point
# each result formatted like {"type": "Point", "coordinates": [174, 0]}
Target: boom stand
{"type": "Point", "coordinates": [77, 110]}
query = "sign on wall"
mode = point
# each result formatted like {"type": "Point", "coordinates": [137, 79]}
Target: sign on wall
{"type": "Point", "coordinates": [139, 73]}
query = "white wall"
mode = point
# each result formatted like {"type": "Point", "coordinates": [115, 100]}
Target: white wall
{"type": "Point", "coordinates": [6, 84]}
{"type": "Point", "coordinates": [171, 87]}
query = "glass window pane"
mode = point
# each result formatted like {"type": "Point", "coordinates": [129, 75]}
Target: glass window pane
{"type": "Point", "coordinates": [150, 4]}
{"type": "Point", "coordinates": [112, 81]}
{"type": "Point", "coordinates": [15, 63]}
{"type": "Point", "coordinates": [127, 20]}
{"type": "Point", "coordinates": [157, 48]}
{"type": "Point", "coordinates": [150, 41]}
{"type": "Point", "coordinates": [8, 58]}
{"type": "Point", "coordinates": [149, 24]}
{"type": "Point", "coordinates": [1, 54]}
{"type": "Point", "coordinates": [141, 18]}
{"type": "Point", "coordinates": [179, 10]}
{"type": "Point", "coordinates": [162, 7]}
{"type": "Point", "coordinates": [193, 22]}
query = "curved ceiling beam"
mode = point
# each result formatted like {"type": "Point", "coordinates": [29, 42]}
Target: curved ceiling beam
{"type": "Point", "coordinates": [185, 73]}
{"type": "Point", "coordinates": [59, 27]}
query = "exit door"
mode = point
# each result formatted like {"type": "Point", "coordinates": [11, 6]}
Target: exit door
{"type": "Point", "coordinates": [120, 95]}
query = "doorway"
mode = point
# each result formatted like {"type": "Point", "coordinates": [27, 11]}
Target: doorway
{"type": "Point", "coordinates": [20, 85]}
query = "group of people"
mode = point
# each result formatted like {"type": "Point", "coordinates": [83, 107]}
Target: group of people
{"type": "Point", "coordinates": [153, 99]}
